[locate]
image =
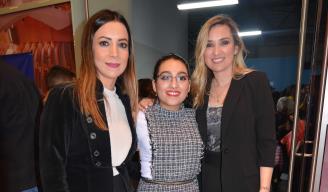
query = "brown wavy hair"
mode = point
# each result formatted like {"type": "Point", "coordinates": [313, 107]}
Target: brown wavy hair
{"type": "Point", "coordinates": [86, 83]}
{"type": "Point", "coordinates": [202, 75]}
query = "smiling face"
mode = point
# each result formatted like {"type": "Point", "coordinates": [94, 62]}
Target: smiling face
{"type": "Point", "coordinates": [220, 49]}
{"type": "Point", "coordinates": [111, 52]}
{"type": "Point", "coordinates": [172, 84]}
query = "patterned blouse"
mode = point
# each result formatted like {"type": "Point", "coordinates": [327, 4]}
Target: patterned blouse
{"type": "Point", "coordinates": [170, 150]}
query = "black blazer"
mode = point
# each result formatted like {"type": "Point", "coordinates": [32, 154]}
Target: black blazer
{"type": "Point", "coordinates": [19, 109]}
{"type": "Point", "coordinates": [75, 155]}
{"type": "Point", "coordinates": [248, 133]}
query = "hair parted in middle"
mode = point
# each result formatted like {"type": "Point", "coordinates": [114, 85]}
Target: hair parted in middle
{"type": "Point", "coordinates": [165, 58]}
{"type": "Point", "coordinates": [86, 83]}
{"type": "Point", "coordinates": [202, 75]}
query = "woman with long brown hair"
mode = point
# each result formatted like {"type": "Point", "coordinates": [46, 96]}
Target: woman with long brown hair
{"type": "Point", "coordinates": [87, 130]}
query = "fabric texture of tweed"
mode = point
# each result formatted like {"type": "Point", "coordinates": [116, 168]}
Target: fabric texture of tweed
{"type": "Point", "coordinates": [177, 150]}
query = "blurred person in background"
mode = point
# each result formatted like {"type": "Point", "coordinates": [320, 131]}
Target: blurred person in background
{"type": "Point", "coordinates": [20, 107]}
{"type": "Point", "coordinates": [58, 75]}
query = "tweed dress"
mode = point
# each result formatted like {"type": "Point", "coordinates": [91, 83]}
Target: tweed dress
{"type": "Point", "coordinates": [177, 150]}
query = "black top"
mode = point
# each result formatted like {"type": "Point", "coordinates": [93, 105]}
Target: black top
{"type": "Point", "coordinates": [214, 129]}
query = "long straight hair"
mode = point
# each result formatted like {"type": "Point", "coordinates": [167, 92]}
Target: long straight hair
{"type": "Point", "coordinates": [86, 83]}
{"type": "Point", "coordinates": [202, 75]}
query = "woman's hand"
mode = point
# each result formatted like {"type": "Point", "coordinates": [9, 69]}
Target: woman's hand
{"type": "Point", "coordinates": [145, 103]}
{"type": "Point", "coordinates": [265, 177]}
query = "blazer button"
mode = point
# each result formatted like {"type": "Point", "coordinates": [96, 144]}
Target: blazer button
{"type": "Point", "coordinates": [226, 151]}
{"type": "Point", "coordinates": [98, 164]}
{"type": "Point", "coordinates": [93, 135]}
{"type": "Point", "coordinates": [89, 119]}
{"type": "Point", "coordinates": [96, 153]}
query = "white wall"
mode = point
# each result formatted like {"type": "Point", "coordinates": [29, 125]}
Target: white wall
{"type": "Point", "coordinates": [158, 28]}
{"type": "Point", "coordinates": [78, 18]}
{"type": "Point", "coordinates": [123, 7]}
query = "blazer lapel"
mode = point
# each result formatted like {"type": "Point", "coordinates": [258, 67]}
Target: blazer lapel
{"type": "Point", "coordinates": [230, 103]}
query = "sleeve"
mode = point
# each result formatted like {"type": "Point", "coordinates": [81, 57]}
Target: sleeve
{"type": "Point", "coordinates": [265, 122]}
{"type": "Point", "coordinates": [143, 137]}
{"type": "Point", "coordinates": [144, 145]}
{"type": "Point", "coordinates": [56, 123]}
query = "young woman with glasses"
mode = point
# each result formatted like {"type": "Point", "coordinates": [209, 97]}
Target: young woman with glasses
{"type": "Point", "coordinates": [169, 142]}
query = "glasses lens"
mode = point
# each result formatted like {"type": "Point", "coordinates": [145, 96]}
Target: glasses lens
{"type": "Point", "coordinates": [182, 78]}
{"type": "Point", "coordinates": [165, 77]}
{"type": "Point", "coordinates": [168, 77]}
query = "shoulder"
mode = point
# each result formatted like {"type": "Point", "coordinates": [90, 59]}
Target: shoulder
{"type": "Point", "coordinates": [255, 76]}
{"type": "Point", "coordinates": [256, 82]}
{"type": "Point", "coordinates": [151, 109]}
{"type": "Point", "coordinates": [190, 111]}
{"type": "Point", "coordinates": [67, 89]}
{"type": "Point", "coordinates": [61, 94]}
{"type": "Point", "coordinates": [14, 85]}
{"type": "Point", "coordinates": [9, 72]}
{"type": "Point", "coordinates": [141, 116]}
{"type": "Point", "coordinates": [256, 79]}
{"type": "Point", "coordinates": [13, 78]}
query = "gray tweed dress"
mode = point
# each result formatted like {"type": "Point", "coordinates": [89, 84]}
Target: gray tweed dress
{"type": "Point", "coordinates": [177, 150]}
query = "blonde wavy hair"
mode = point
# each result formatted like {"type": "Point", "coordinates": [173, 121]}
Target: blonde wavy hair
{"type": "Point", "coordinates": [86, 83]}
{"type": "Point", "coordinates": [202, 76]}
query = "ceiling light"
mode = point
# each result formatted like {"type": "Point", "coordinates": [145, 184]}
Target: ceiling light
{"type": "Point", "coordinates": [203, 4]}
{"type": "Point", "coordinates": [249, 33]}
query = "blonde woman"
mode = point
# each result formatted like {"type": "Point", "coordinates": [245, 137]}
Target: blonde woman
{"type": "Point", "coordinates": [235, 112]}
{"type": "Point", "coordinates": [87, 131]}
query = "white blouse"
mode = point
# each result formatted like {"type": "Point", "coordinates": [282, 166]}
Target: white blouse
{"type": "Point", "coordinates": [119, 128]}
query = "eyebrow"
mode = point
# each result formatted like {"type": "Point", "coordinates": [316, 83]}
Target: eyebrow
{"type": "Point", "coordinates": [108, 38]}
{"type": "Point", "coordinates": [224, 38]}
{"type": "Point", "coordinates": [182, 72]}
